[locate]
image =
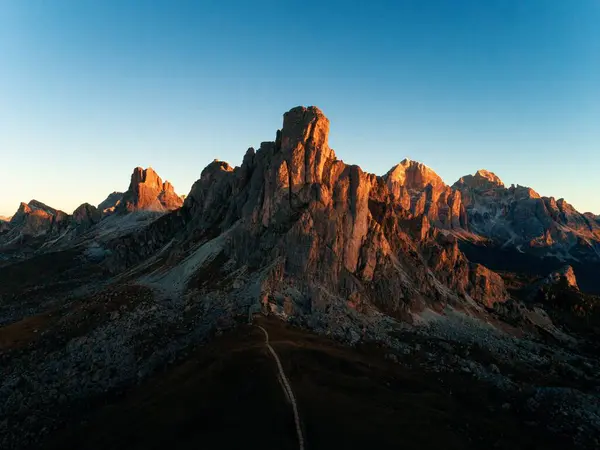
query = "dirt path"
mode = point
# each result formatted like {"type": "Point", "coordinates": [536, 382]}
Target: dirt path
{"type": "Point", "coordinates": [226, 395]}
{"type": "Point", "coordinates": [287, 389]}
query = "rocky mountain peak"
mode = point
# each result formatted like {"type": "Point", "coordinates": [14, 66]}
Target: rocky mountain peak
{"type": "Point", "coordinates": [147, 191]}
{"type": "Point", "coordinates": [86, 214]}
{"type": "Point", "coordinates": [524, 192]}
{"type": "Point", "coordinates": [24, 208]}
{"type": "Point", "coordinates": [300, 124]}
{"type": "Point", "coordinates": [214, 167]}
{"type": "Point", "coordinates": [482, 179]}
{"type": "Point", "coordinates": [413, 175]}
{"type": "Point", "coordinates": [34, 207]}
{"type": "Point", "coordinates": [303, 141]}
{"type": "Point", "coordinates": [319, 225]}
{"type": "Point", "coordinates": [147, 177]}
{"type": "Point", "coordinates": [489, 176]}
{"type": "Point", "coordinates": [36, 218]}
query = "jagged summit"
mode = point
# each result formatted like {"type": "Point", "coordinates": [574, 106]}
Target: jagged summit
{"type": "Point", "coordinates": [490, 176]}
{"type": "Point", "coordinates": [147, 191]}
{"type": "Point", "coordinates": [314, 224]}
{"type": "Point", "coordinates": [483, 179]}
{"type": "Point", "coordinates": [304, 143]}
{"type": "Point", "coordinates": [34, 207]}
{"type": "Point", "coordinates": [148, 176]}
{"type": "Point", "coordinates": [35, 219]}
{"type": "Point", "coordinates": [414, 175]}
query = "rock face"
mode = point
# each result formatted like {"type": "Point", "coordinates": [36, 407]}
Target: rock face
{"type": "Point", "coordinates": [519, 217]}
{"type": "Point", "coordinates": [566, 275]}
{"type": "Point", "coordinates": [323, 233]}
{"type": "Point", "coordinates": [86, 216]}
{"type": "Point", "coordinates": [46, 225]}
{"type": "Point", "coordinates": [35, 219]}
{"type": "Point", "coordinates": [481, 180]}
{"type": "Point", "coordinates": [423, 194]}
{"type": "Point", "coordinates": [4, 224]}
{"type": "Point", "coordinates": [37, 227]}
{"type": "Point", "coordinates": [109, 205]}
{"type": "Point", "coordinates": [148, 192]}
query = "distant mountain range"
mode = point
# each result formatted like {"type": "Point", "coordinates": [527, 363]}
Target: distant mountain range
{"type": "Point", "coordinates": [42, 227]}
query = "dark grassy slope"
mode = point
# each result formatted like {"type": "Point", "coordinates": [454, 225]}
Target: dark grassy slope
{"type": "Point", "coordinates": [227, 396]}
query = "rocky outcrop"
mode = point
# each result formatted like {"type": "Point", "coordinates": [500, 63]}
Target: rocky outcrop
{"type": "Point", "coordinates": [35, 219]}
{"type": "Point", "coordinates": [566, 275]}
{"type": "Point", "coordinates": [148, 192]}
{"type": "Point", "coordinates": [481, 180]}
{"type": "Point", "coordinates": [466, 278]}
{"type": "Point", "coordinates": [109, 205]}
{"type": "Point", "coordinates": [487, 286]}
{"type": "Point", "coordinates": [86, 216]}
{"type": "Point", "coordinates": [422, 193]}
{"type": "Point", "coordinates": [42, 227]}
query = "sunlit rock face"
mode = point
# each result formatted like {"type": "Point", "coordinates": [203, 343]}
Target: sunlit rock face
{"type": "Point", "coordinates": [325, 230]}
{"type": "Point", "coordinates": [35, 219]}
{"type": "Point", "coordinates": [46, 225]}
{"type": "Point", "coordinates": [482, 179]}
{"type": "Point", "coordinates": [422, 194]}
{"type": "Point", "coordinates": [148, 192]}
{"type": "Point", "coordinates": [566, 274]}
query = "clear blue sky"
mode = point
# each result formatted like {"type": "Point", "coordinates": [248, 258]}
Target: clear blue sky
{"type": "Point", "coordinates": [91, 89]}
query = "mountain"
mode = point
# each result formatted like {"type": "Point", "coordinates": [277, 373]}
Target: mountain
{"type": "Point", "coordinates": [423, 194]}
{"type": "Point", "coordinates": [37, 227]}
{"type": "Point", "coordinates": [148, 192]}
{"type": "Point", "coordinates": [388, 279]}
{"type": "Point", "coordinates": [519, 217]}
{"type": "Point", "coordinates": [33, 220]}
{"type": "Point", "coordinates": [320, 233]}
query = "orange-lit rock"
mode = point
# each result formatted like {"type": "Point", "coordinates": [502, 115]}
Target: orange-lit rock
{"type": "Point", "coordinates": [307, 220]}
{"type": "Point", "coordinates": [148, 192]}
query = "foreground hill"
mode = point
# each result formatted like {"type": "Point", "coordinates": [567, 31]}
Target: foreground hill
{"type": "Point", "coordinates": [348, 398]}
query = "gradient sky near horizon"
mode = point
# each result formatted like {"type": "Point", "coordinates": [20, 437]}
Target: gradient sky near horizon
{"type": "Point", "coordinates": [91, 89]}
